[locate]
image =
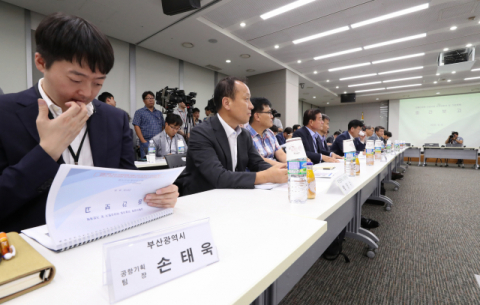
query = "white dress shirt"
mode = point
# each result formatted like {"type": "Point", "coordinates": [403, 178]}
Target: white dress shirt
{"type": "Point", "coordinates": [232, 135]}
{"type": "Point", "coordinates": [85, 157]}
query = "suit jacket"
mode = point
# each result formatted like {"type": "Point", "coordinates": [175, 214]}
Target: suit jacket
{"type": "Point", "coordinates": [337, 146]}
{"type": "Point", "coordinates": [308, 145]}
{"type": "Point", "coordinates": [161, 143]}
{"type": "Point", "coordinates": [209, 161]}
{"type": "Point", "coordinates": [375, 137]}
{"type": "Point", "coordinates": [281, 140]}
{"type": "Point", "coordinates": [27, 171]}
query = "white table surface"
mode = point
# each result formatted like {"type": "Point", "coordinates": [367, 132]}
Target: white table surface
{"type": "Point", "coordinates": [159, 161]}
{"type": "Point", "coordinates": [255, 247]}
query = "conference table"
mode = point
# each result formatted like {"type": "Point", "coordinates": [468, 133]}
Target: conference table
{"type": "Point", "coordinates": [160, 163]}
{"type": "Point", "coordinates": [467, 153]}
{"type": "Point", "coordinates": [414, 152]}
{"type": "Point", "coordinates": [265, 244]}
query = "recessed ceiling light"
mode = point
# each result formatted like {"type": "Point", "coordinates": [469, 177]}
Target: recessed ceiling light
{"type": "Point", "coordinates": [359, 76]}
{"type": "Point", "coordinates": [445, 50]}
{"type": "Point", "coordinates": [453, 28]}
{"type": "Point", "coordinates": [242, 24]}
{"type": "Point", "coordinates": [391, 15]}
{"type": "Point", "coordinates": [437, 74]}
{"type": "Point", "coordinates": [404, 86]}
{"type": "Point", "coordinates": [365, 84]}
{"type": "Point", "coordinates": [328, 80]}
{"type": "Point", "coordinates": [299, 61]}
{"type": "Point", "coordinates": [188, 45]}
{"type": "Point", "coordinates": [285, 8]}
{"type": "Point", "coordinates": [344, 92]}
{"type": "Point", "coordinates": [328, 102]}
{"type": "Point", "coordinates": [367, 90]}
{"type": "Point", "coordinates": [338, 53]}
{"type": "Point", "coordinates": [477, 69]}
{"type": "Point", "coordinates": [314, 97]}
{"type": "Point", "coordinates": [250, 70]}
{"type": "Point", "coordinates": [401, 79]}
{"type": "Point", "coordinates": [449, 80]}
{"type": "Point", "coordinates": [453, 72]}
{"type": "Point", "coordinates": [349, 67]}
{"type": "Point", "coordinates": [377, 98]}
{"type": "Point", "coordinates": [228, 61]}
{"type": "Point", "coordinates": [469, 78]}
{"type": "Point", "coordinates": [401, 70]}
{"type": "Point", "coordinates": [315, 72]}
{"type": "Point", "coordinates": [212, 40]}
{"type": "Point", "coordinates": [381, 44]}
{"type": "Point", "coordinates": [336, 87]}
{"type": "Point", "coordinates": [320, 35]}
{"type": "Point", "coordinates": [277, 46]}
{"type": "Point", "coordinates": [468, 45]}
{"type": "Point", "coordinates": [397, 58]}
{"type": "Point", "coordinates": [245, 56]}
{"type": "Point", "coordinates": [435, 82]}
{"type": "Point", "coordinates": [438, 92]}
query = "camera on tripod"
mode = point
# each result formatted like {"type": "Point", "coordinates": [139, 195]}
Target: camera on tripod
{"type": "Point", "coordinates": [168, 98]}
{"type": "Point", "coordinates": [276, 114]}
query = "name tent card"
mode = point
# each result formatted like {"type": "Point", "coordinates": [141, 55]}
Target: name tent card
{"type": "Point", "coordinates": [136, 264]}
{"type": "Point", "coordinates": [344, 183]}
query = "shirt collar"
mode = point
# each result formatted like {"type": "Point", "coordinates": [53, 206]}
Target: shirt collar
{"type": "Point", "coordinates": [312, 133]}
{"type": "Point", "coordinates": [154, 109]}
{"type": "Point", "coordinates": [54, 108]}
{"type": "Point", "coordinates": [229, 130]}
{"type": "Point", "coordinates": [350, 135]}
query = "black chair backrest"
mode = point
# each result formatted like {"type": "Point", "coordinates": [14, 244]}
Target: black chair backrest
{"type": "Point", "coordinates": [176, 160]}
{"type": "Point", "coordinates": [408, 144]}
{"type": "Point", "coordinates": [431, 145]}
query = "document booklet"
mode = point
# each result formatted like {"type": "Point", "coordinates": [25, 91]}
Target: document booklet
{"type": "Point", "coordinates": [26, 271]}
{"type": "Point", "coordinates": [87, 203]}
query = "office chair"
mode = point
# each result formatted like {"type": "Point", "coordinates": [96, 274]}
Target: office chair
{"type": "Point", "coordinates": [176, 160]}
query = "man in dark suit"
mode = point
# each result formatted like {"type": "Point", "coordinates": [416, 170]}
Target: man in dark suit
{"type": "Point", "coordinates": [220, 151]}
{"type": "Point", "coordinates": [354, 128]}
{"type": "Point", "coordinates": [312, 124]}
{"type": "Point", "coordinates": [58, 121]}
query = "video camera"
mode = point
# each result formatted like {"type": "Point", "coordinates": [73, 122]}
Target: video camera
{"type": "Point", "coordinates": [168, 98]}
{"type": "Point", "coordinates": [276, 114]}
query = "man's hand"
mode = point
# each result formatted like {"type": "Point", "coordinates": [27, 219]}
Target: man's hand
{"type": "Point", "coordinates": [163, 198]}
{"type": "Point", "coordinates": [362, 138]}
{"type": "Point", "coordinates": [276, 174]}
{"type": "Point", "coordinates": [56, 135]}
{"type": "Point", "coordinates": [335, 156]}
{"type": "Point", "coordinates": [329, 159]}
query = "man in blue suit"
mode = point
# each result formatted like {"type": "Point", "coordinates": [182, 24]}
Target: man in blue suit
{"type": "Point", "coordinates": [59, 121]}
{"type": "Point", "coordinates": [312, 124]}
{"type": "Point", "coordinates": [354, 128]}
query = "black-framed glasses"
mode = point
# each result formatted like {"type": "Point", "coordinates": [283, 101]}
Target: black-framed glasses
{"type": "Point", "coordinates": [269, 112]}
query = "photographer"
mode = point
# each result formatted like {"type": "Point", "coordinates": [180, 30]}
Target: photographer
{"type": "Point", "coordinates": [187, 124]}
{"type": "Point", "coordinates": [455, 139]}
{"type": "Point", "coordinates": [276, 120]}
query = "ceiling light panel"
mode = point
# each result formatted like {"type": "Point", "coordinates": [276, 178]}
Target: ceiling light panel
{"type": "Point", "coordinates": [358, 76]}
{"type": "Point", "coordinates": [401, 79]}
{"type": "Point", "coordinates": [365, 84]}
{"type": "Point", "coordinates": [391, 15]}
{"type": "Point", "coordinates": [401, 70]}
{"type": "Point", "coordinates": [320, 35]}
{"type": "Point", "coordinates": [367, 90]}
{"type": "Point", "coordinates": [385, 43]}
{"type": "Point", "coordinates": [477, 69]}
{"type": "Point", "coordinates": [349, 67]}
{"type": "Point", "coordinates": [469, 78]}
{"type": "Point", "coordinates": [285, 9]}
{"type": "Point", "coordinates": [397, 58]}
{"type": "Point", "coordinates": [338, 53]}
{"type": "Point", "coordinates": [404, 86]}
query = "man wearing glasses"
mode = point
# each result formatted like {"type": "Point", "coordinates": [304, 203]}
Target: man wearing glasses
{"type": "Point", "coordinates": [263, 138]}
{"type": "Point", "coordinates": [148, 122]}
{"type": "Point", "coordinates": [169, 142]}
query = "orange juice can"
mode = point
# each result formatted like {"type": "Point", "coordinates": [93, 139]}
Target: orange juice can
{"type": "Point", "coordinates": [312, 187]}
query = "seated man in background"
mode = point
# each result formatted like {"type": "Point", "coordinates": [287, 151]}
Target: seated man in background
{"type": "Point", "coordinates": [285, 135]}
{"type": "Point", "coordinates": [263, 137]}
{"type": "Point", "coordinates": [354, 128]}
{"type": "Point", "coordinates": [196, 116]}
{"type": "Point", "coordinates": [312, 124]}
{"type": "Point", "coordinates": [107, 98]}
{"type": "Point", "coordinates": [386, 135]}
{"type": "Point", "coordinates": [295, 127]}
{"type": "Point", "coordinates": [208, 112]}
{"type": "Point", "coordinates": [169, 142]}
{"type": "Point", "coordinates": [331, 139]}
{"type": "Point", "coordinates": [40, 124]}
{"type": "Point", "coordinates": [324, 131]}
{"type": "Point", "coordinates": [379, 132]}
{"type": "Point", "coordinates": [369, 131]}
{"type": "Point", "coordinates": [220, 151]}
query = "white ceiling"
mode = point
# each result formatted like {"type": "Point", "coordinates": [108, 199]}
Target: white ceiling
{"type": "Point", "coordinates": [134, 21]}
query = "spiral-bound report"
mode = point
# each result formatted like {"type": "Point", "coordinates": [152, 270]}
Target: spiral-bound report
{"type": "Point", "coordinates": [88, 203]}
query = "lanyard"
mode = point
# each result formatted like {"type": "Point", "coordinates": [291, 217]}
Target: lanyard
{"type": "Point", "coordinates": [171, 140]}
{"type": "Point", "coordinates": [77, 155]}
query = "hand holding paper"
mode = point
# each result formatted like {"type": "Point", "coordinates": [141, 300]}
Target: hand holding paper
{"type": "Point", "coordinates": [163, 198]}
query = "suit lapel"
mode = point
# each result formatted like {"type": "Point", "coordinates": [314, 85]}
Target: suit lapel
{"type": "Point", "coordinates": [222, 139]}
{"type": "Point", "coordinates": [97, 133]}
{"type": "Point", "coordinates": [309, 139]}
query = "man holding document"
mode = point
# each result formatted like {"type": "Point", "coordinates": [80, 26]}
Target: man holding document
{"type": "Point", "coordinates": [58, 121]}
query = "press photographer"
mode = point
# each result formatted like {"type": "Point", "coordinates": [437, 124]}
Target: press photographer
{"type": "Point", "coordinates": [454, 139]}
{"type": "Point", "coordinates": [276, 120]}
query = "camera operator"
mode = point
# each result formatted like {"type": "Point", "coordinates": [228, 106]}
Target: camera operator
{"type": "Point", "coordinates": [455, 139]}
{"type": "Point", "coordinates": [276, 120]}
{"type": "Point", "coordinates": [182, 111]}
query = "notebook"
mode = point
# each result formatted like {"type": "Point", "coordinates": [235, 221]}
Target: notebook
{"type": "Point", "coordinates": [88, 203]}
{"type": "Point", "coordinates": [25, 272]}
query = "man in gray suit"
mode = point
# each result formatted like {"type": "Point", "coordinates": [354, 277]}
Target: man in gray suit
{"type": "Point", "coordinates": [379, 130]}
{"type": "Point", "coordinates": [169, 142]}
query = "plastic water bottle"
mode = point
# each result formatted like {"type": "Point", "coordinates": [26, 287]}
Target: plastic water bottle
{"type": "Point", "coordinates": [151, 152]}
{"type": "Point", "coordinates": [297, 171]}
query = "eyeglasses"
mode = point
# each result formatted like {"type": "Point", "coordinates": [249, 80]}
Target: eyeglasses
{"type": "Point", "coordinates": [269, 112]}
{"type": "Point", "coordinates": [150, 98]}
{"type": "Point", "coordinates": [177, 128]}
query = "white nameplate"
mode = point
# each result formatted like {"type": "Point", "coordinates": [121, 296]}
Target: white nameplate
{"type": "Point", "coordinates": [348, 146]}
{"type": "Point", "coordinates": [344, 183]}
{"type": "Point", "coordinates": [139, 263]}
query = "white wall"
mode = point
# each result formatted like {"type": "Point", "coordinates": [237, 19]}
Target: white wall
{"type": "Point", "coordinates": [13, 67]}
{"type": "Point", "coordinates": [341, 115]}
{"type": "Point", "coordinates": [289, 117]}
{"type": "Point", "coordinates": [199, 80]}
{"type": "Point", "coordinates": [394, 119]}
